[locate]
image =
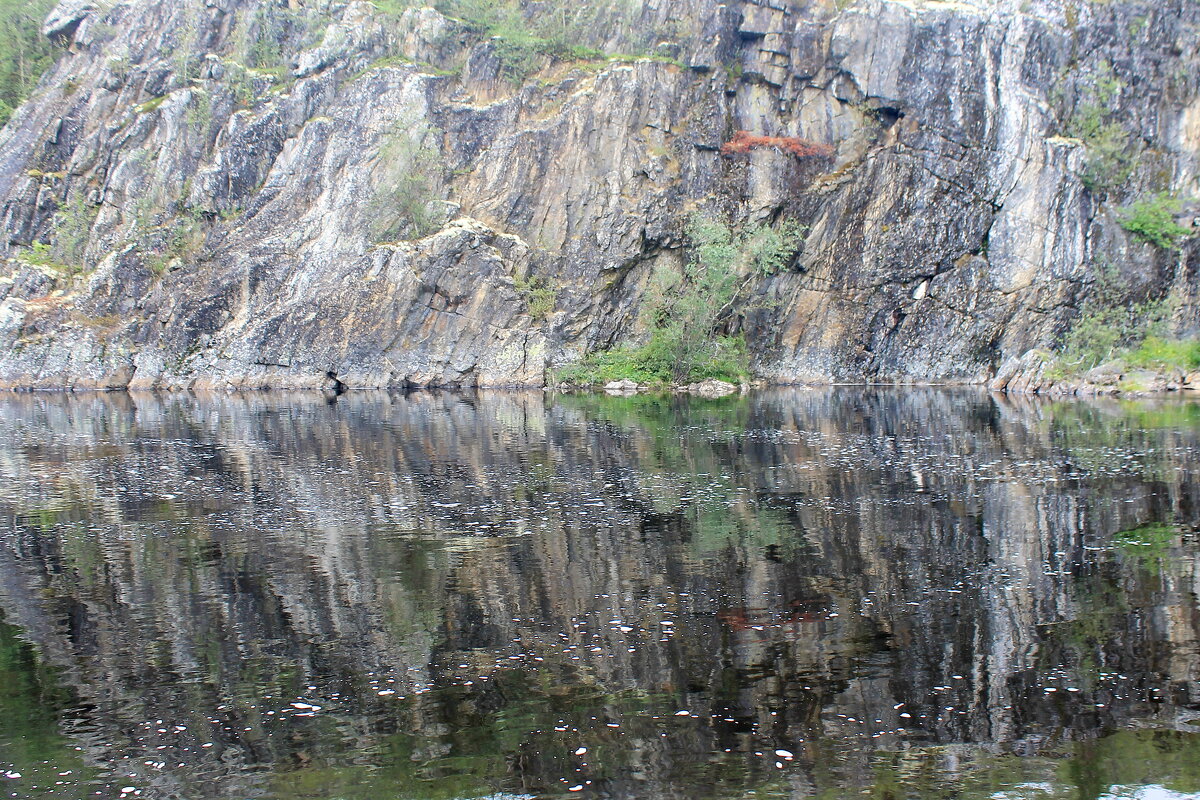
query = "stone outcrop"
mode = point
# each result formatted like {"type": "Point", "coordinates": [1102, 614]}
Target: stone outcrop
{"type": "Point", "coordinates": [376, 201]}
{"type": "Point", "coordinates": [711, 387]}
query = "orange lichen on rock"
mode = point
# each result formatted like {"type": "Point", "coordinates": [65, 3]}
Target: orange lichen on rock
{"type": "Point", "coordinates": [745, 141]}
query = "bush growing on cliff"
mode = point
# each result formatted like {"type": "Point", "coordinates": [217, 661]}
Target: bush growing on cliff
{"type": "Point", "coordinates": [176, 242]}
{"type": "Point", "coordinates": [685, 307]}
{"type": "Point", "coordinates": [404, 202]}
{"type": "Point", "coordinates": [1152, 220]}
{"type": "Point", "coordinates": [68, 238]}
{"type": "Point", "coordinates": [73, 228]}
{"type": "Point", "coordinates": [539, 295]}
{"type": "Point", "coordinates": [1110, 324]}
{"type": "Point", "coordinates": [1094, 121]}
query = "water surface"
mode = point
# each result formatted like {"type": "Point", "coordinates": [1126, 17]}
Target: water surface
{"type": "Point", "coordinates": [841, 593]}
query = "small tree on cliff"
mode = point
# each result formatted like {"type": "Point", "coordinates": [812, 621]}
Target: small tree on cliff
{"type": "Point", "coordinates": [688, 306]}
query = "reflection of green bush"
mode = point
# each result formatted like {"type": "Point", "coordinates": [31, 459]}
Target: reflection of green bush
{"type": "Point", "coordinates": [456, 743]}
{"type": "Point", "coordinates": [1114, 588]}
{"type": "Point", "coordinates": [1145, 416]}
{"type": "Point", "coordinates": [1149, 545]}
{"type": "Point", "coordinates": [1083, 770]}
{"type": "Point", "coordinates": [1097, 438]}
{"type": "Point", "coordinates": [1134, 758]}
{"type": "Point", "coordinates": [688, 468]}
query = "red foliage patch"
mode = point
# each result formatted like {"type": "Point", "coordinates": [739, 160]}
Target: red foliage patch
{"type": "Point", "coordinates": [745, 141]}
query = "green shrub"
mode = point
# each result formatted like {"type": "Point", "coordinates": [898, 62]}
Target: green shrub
{"type": "Point", "coordinates": [1094, 121]}
{"type": "Point", "coordinates": [404, 204]}
{"type": "Point", "coordinates": [73, 228]}
{"type": "Point", "coordinates": [539, 295]}
{"type": "Point", "coordinates": [40, 254]}
{"type": "Point", "coordinates": [186, 60]}
{"type": "Point", "coordinates": [69, 239]}
{"type": "Point", "coordinates": [153, 104]}
{"type": "Point", "coordinates": [240, 85]}
{"type": "Point", "coordinates": [684, 309]}
{"type": "Point", "coordinates": [1109, 162]}
{"type": "Point", "coordinates": [200, 111]}
{"type": "Point", "coordinates": [180, 241]}
{"type": "Point", "coordinates": [526, 36]}
{"type": "Point", "coordinates": [1152, 220]}
{"type": "Point", "coordinates": [1111, 325]}
{"type": "Point", "coordinates": [620, 363]}
{"type": "Point", "coordinates": [651, 364]}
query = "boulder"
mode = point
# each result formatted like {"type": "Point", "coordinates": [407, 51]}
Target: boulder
{"type": "Point", "coordinates": [1141, 381]}
{"type": "Point", "coordinates": [1106, 374]}
{"type": "Point", "coordinates": [65, 17]}
{"type": "Point", "coordinates": [711, 387]}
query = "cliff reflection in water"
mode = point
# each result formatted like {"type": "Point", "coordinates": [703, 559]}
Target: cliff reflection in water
{"type": "Point", "coordinates": [896, 593]}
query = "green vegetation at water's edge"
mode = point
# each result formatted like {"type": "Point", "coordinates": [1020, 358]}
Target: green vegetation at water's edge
{"type": "Point", "coordinates": [1157, 352]}
{"type": "Point", "coordinates": [1113, 325]}
{"type": "Point", "coordinates": [24, 52]}
{"type": "Point", "coordinates": [652, 364]}
{"type": "Point", "coordinates": [685, 309]}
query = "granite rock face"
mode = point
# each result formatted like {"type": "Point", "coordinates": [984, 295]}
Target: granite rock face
{"type": "Point", "coordinates": [370, 199]}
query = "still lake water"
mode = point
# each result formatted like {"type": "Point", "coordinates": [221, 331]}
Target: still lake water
{"type": "Point", "coordinates": [838, 593]}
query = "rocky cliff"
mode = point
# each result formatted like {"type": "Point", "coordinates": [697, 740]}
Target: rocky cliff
{"type": "Point", "coordinates": [234, 193]}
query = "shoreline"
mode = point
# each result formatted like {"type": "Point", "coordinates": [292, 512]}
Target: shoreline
{"type": "Point", "coordinates": [1050, 391]}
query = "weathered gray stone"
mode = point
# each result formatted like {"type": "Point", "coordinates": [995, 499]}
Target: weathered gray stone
{"type": "Point", "coordinates": [711, 387]}
{"type": "Point", "coordinates": [1106, 374]}
{"type": "Point", "coordinates": [65, 17]}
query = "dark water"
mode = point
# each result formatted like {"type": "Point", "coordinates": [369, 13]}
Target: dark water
{"type": "Point", "coordinates": [844, 593]}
